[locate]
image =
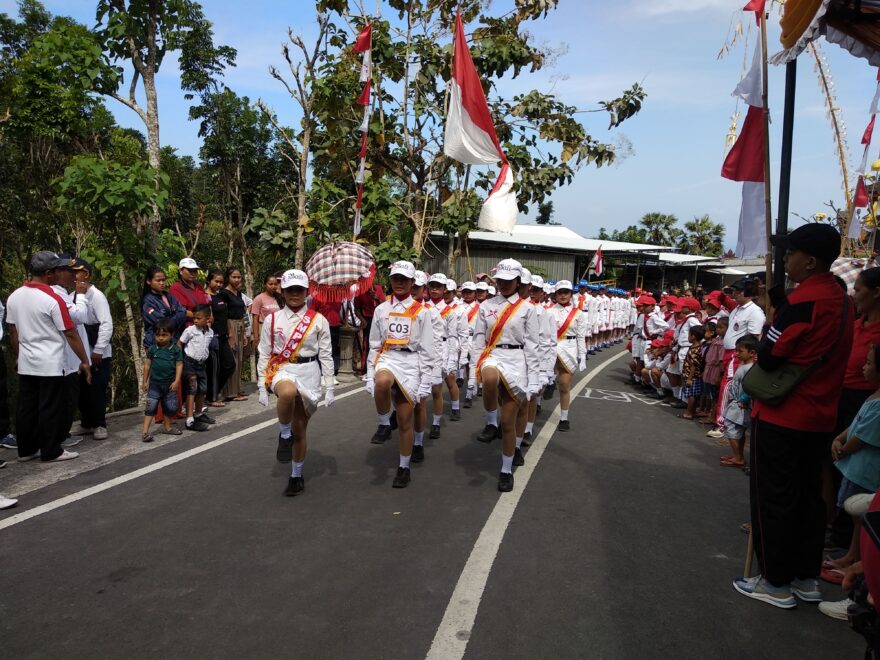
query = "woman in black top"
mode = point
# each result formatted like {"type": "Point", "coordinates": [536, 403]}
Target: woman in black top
{"type": "Point", "coordinates": [221, 361]}
{"type": "Point", "coordinates": [235, 309]}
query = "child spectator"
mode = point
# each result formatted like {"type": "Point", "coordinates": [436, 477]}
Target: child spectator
{"type": "Point", "coordinates": [713, 370]}
{"type": "Point", "coordinates": [196, 345]}
{"type": "Point", "coordinates": [737, 413]}
{"type": "Point", "coordinates": [704, 410]}
{"type": "Point", "coordinates": [162, 370]}
{"type": "Point", "coordinates": [856, 452]}
{"type": "Point", "coordinates": [692, 371]}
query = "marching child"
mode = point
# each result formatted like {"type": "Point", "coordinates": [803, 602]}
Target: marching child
{"type": "Point", "coordinates": [570, 329]}
{"type": "Point", "coordinates": [738, 411]}
{"type": "Point", "coordinates": [195, 343]}
{"type": "Point", "coordinates": [163, 367]}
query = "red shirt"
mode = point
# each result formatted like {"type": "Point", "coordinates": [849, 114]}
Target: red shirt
{"type": "Point", "coordinates": [366, 304]}
{"type": "Point", "coordinates": [330, 311]}
{"type": "Point", "coordinates": [807, 327]}
{"type": "Point", "coordinates": [863, 337]}
{"type": "Point", "coordinates": [189, 297]}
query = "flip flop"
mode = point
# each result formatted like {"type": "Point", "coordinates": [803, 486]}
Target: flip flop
{"type": "Point", "coordinates": [240, 397]}
{"type": "Point", "coordinates": [685, 416]}
{"type": "Point", "coordinates": [732, 463]}
{"type": "Point", "coordinates": [217, 404]}
{"type": "Point", "coordinates": [832, 565]}
{"type": "Point", "coordinates": [832, 575]}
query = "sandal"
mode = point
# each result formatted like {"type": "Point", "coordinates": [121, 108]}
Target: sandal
{"type": "Point", "coordinates": [685, 416]}
{"type": "Point", "coordinates": [172, 431]}
{"type": "Point", "coordinates": [729, 462]}
{"type": "Point", "coordinates": [240, 397]}
{"type": "Point", "coordinates": [147, 437]}
{"type": "Point", "coordinates": [217, 404]}
{"type": "Point", "coordinates": [832, 575]}
{"type": "Point", "coordinates": [834, 564]}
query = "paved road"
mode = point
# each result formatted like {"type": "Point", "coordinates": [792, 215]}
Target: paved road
{"type": "Point", "coordinates": [623, 545]}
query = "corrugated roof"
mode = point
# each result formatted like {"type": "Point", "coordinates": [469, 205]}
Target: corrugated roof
{"type": "Point", "coordinates": [673, 258]}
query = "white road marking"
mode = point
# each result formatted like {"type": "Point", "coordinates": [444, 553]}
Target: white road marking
{"type": "Point", "coordinates": [453, 633]}
{"type": "Point", "coordinates": [177, 458]}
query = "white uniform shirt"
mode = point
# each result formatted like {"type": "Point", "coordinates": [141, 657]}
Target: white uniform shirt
{"type": "Point", "coordinates": [656, 324]}
{"type": "Point", "coordinates": [546, 337]}
{"type": "Point", "coordinates": [469, 325]}
{"type": "Point", "coordinates": [36, 312]}
{"type": "Point", "coordinates": [99, 314]}
{"type": "Point", "coordinates": [196, 343]}
{"type": "Point", "coordinates": [78, 308]}
{"type": "Point", "coordinates": [317, 342]}
{"type": "Point", "coordinates": [683, 334]}
{"type": "Point", "coordinates": [572, 343]}
{"type": "Point", "coordinates": [421, 340]}
{"type": "Point", "coordinates": [521, 329]}
{"type": "Point", "coordinates": [744, 319]}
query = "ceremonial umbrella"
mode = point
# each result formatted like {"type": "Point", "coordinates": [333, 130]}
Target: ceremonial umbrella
{"type": "Point", "coordinates": [340, 271]}
{"type": "Point", "coordinates": [848, 269]}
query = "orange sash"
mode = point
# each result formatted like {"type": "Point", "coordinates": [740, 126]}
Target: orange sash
{"type": "Point", "coordinates": [495, 333]}
{"type": "Point", "coordinates": [581, 303]}
{"type": "Point", "coordinates": [560, 332]}
{"type": "Point", "coordinates": [473, 313]}
{"type": "Point", "coordinates": [291, 348]}
{"type": "Point", "coordinates": [412, 312]}
{"type": "Point", "coordinates": [446, 312]}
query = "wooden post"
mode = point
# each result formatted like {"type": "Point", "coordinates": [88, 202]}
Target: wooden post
{"type": "Point", "coordinates": [768, 211]}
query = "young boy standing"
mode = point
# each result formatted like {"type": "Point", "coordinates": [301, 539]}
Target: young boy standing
{"type": "Point", "coordinates": [195, 343]}
{"type": "Point", "coordinates": [692, 371]}
{"type": "Point", "coordinates": [163, 367]}
{"type": "Point", "coordinates": [737, 413]}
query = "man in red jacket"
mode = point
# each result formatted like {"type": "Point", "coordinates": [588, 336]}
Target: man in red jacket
{"type": "Point", "coordinates": [813, 325]}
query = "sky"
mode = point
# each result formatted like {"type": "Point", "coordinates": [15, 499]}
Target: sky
{"type": "Point", "coordinates": [670, 47]}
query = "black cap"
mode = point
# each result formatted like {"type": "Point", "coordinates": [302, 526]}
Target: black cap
{"type": "Point", "coordinates": [81, 264]}
{"type": "Point", "coordinates": [45, 260]}
{"type": "Point", "coordinates": [816, 239]}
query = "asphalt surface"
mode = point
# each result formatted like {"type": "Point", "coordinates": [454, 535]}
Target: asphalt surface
{"type": "Point", "coordinates": [624, 545]}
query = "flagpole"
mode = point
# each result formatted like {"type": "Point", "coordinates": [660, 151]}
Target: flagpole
{"type": "Point", "coordinates": [768, 211]}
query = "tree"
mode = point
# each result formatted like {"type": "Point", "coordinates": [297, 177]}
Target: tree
{"type": "Point", "coordinates": [660, 229]}
{"type": "Point", "coordinates": [702, 236]}
{"type": "Point", "coordinates": [545, 214]}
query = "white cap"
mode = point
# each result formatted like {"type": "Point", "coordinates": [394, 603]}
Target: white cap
{"type": "Point", "coordinates": [526, 277]}
{"type": "Point", "coordinates": [421, 278]}
{"type": "Point", "coordinates": [451, 285]}
{"type": "Point", "coordinates": [187, 262]}
{"type": "Point", "coordinates": [548, 289]}
{"type": "Point", "coordinates": [482, 286]}
{"type": "Point", "coordinates": [508, 269]}
{"type": "Point", "coordinates": [538, 281]}
{"type": "Point", "coordinates": [439, 278]}
{"type": "Point", "coordinates": [404, 268]}
{"type": "Point", "coordinates": [294, 277]}
{"type": "Point", "coordinates": [563, 284]}
{"type": "Point", "coordinates": [469, 286]}
{"type": "Point", "coordinates": [491, 290]}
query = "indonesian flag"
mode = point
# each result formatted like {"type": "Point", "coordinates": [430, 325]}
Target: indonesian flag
{"type": "Point", "coordinates": [861, 197]}
{"type": "Point", "coordinates": [470, 136]}
{"type": "Point", "coordinates": [596, 262]}
{"type": "Point", "coordinates": [745, 162]}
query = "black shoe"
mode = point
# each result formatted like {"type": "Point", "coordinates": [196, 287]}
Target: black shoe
{"type": "Point", "coordinates": [401, 479]}
{"type": "Point", "coordinates": [455, 416]}
{"type": "Point", "coordinates": [418, 454]}
{"type": "Point", "coordinates": [527, 439]}
{"type": "Point", "coordinates": [468, 403]}
{"type": "Point", "coordinates": [564, 425]}
{"type": "Point", "coordinates": [295, 485]}
{"type": "Point", "coordinates": [459, 381]}
{"type": "Point", "coordinates": [488, 434]}
{"type": "Point", "coordinates": [518, 457]}
{"type": "Point", "coordinates": [435, 432]}
{"type": "Point", "coordinates": [197, 425]}
{"type": "Point", "coordinates": [381, 435]}
{"type": "Point", "coordinates": [285, 449]}
{"type": "Point", "coordinates": [549, 390]}
{"type": "Point", "coordinates": [678, 403]}
{"type": "Point", "coordinates": [505, 482]}
{"type": "Point", "coordinates": [393, 420]}
{"type": "Point", "coordinates": [204, 418]}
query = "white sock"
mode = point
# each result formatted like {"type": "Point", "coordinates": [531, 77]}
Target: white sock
{"type": "Point", "coordinates": [563, 415]}
{"type": "Point", "coordinates": [518, 443]}
{"type": "Point", "coordinates": [437, 419]}
{"type": "Point", "coordinates": [455, 405]}
{"type": "Point", "coordinates": [419, 438]}
{"type": "Point", "coordinates": [507, 464]}
{"type": "Point", "coordinates": [385, 420]}
{"type": "Point", "coordinates": [491, 417]}
{"type": "Point", "coordinates": [297, 470]}
{"type": "Point", "coordinates": [404, 461]}
{"type": "Point", "coordinates": [284, 429]}
{"type": "Point", "coordinates": [190, 421]}
{"type": "Point", "coordinates": [529, 426]}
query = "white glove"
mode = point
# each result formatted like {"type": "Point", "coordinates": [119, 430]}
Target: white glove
{"type": "Point", "coordinates": [471, 390]}
{"type": "Point", "coordinates": [582, 365]}
{"type": "Point", "coordinates": [533, 389]}
{"type": "Point", "coordinates": [371, 386]}
{"type": "Point", "coordinates": [263, 396]}
{"type": "Point", "coordinates": [424, 392]}
{"type": "Point", "coordinates": [543, 377]}
{"type": "Point", "coordinates": [329, 397]}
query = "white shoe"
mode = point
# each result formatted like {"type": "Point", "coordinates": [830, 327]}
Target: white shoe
{"type": "Point", "coordinates": [65, 456]}
{"type": "Point", "coordinates": [79, 429]}
{"type": "Point", "coordinates": [836, 610]}
{"type": "Point", "coordinates": [7, 502]}
{"type": "Point", "coordinates": [25, 459]}
{"type": "Point", "coordinates": [714, 433]}
{"type": "Point", "coordinates": [100, 433]}
{"type": "Point", "coordinates": [72, 441]}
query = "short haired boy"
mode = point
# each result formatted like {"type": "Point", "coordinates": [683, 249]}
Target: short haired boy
{"type": "Point", "coordinates": [163, 367]}
{"type": "Point", "coordinates": [196, 344]}
{"type": "Point", "coordinates": [737, 413]}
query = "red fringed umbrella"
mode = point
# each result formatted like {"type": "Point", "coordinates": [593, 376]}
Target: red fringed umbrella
{"type": "Point", "coordinates": [340, 271]}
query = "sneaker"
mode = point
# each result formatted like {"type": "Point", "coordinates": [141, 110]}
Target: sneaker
{"type": "Point", "coordinates": [401, 479]}
{"type": "Point", "coordinates": [527, 439]}
{"type": "Point", "coordinates": [383, 432]}
{"type": "Point", "coordinates": [836, 610]}
{"type": "Point", "coordinates": [807, 590]}
{"type": "Point", "coordinates": [489, 433]}
{"type": "Point", "coordinates": [64, 456]}
{"type": "Point", "coordinates": [284, 453]}
{"type": "Point", "coordinates": [7, 502]}
{"type": "Point", "coordinates": [418, 454]}
{"type": "Point", "coordinates": [468, 403]}
{"type": "Point", "coordinates": [199, 418]}
{"type": "Point", "coordinates": [72, 441]}
{"type": "Point", "coordinates": [197, 425]}
{"type": "Point", "coordinates": [25, 459]}
{"type": "Point", "coordinates": [564, 425]}
{"type": "Point", "coordinates": [455, 416]}
{"type": "Point", "coordinates": [9, 442]}
{"type": "Point", "coordinates": [518, 457]}
{"type": "Point", "coordinates": [759, 589]}
{"type": "Point", "coordinates": [79, 429]}
{"type": "Point", "coordinates": [435, 432]}
{"type": "Point", "coordinates": [714, 433]}
{"type": "Point", "coordinates": [505, 482]}
{"type": "Point", "coordinates": [295, 485]}
{"type": "Point", "coordinates": [100, 433]}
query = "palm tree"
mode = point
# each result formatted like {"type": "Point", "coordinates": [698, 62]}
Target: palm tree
{"type": "Point", "coordinates": [660, 228]}
{"type": "Point", "coordinates": [702, 236]}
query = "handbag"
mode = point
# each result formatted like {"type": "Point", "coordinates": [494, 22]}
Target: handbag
{"type": "Point", "coordinates": [774, 387]}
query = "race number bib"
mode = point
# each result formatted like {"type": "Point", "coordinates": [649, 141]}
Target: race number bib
{"type": "Point", "coordinates": [399, 329]}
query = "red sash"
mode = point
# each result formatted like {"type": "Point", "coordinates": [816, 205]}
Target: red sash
{"type": "Point", "coordinates": [473, 313]}
{"type": "Point", "coordinates": [446, 312]}
{"type": "Point", "coordinates": [560, 332]}
{"type": "Point", "coordinates": [495, 333]}
{"type": "Point", "coordinates": [291, 348]}
{"type": "Point", "coordinates": [581, 303]}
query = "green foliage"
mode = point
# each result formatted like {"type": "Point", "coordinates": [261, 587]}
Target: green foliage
{"type": "Point", "coordinates": [702, 236]}
{"type": "Point", "coordinates": [545, 214]}
{"type": "Point", "coordinates": [660, 229]}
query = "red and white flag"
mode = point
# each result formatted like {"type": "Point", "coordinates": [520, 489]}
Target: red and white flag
{"type": "Point", "coordinates": [596, 263]}
{"type": "Point", "coordinates": [861, 199]}
{"type": "Point", "coordinates": [745, 162]}
{"type": "Point", "coordinates": [470, 136]}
